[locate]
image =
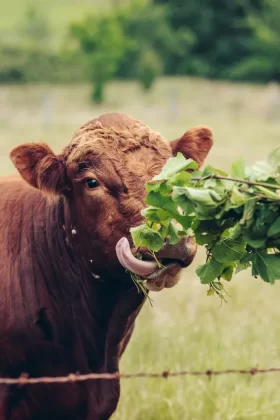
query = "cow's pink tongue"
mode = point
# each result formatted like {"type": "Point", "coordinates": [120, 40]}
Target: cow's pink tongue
{"type": "Point", "coordinates": [127, 260]}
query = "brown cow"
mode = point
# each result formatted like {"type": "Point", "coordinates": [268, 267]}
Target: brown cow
{"type": "Point", "coordinates": [66, 302]}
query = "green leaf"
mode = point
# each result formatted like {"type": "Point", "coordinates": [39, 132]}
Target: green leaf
{"type": "Point", "coordinates": [216, 185]}
{"type": "Point", "coordinates": [180, 180]}
{"type": "Point", "coordinates": [175, 165]}
{"type": "Point", "coordinates": [235, 232]}
{"type": "Point", "coordinates": [183, 202]}
{"type": "Point", "coordinates": [154, 214]}
{"type": "Point", "coordinates": [182, 233]}
{"type": "Point", "coordinates": [228, 272]}
{"type": "Point", "coordinates": [205, 231]}
{"type": "Point", "coordinates": [165, 188]}
{"type": "Point", "coordinates": [255, 243]}
{"type": "Point", "coordinates": [264, 216]}
{"type": "Point", "coordinates": [260, 171]}
{"type": "Point", "coordinates": [267, 266]}
{"type": "Point", "coordinates": [203, 201]}
{"type": "Point", "coordinates": [163, 231]}
{"type": "Point", "coordinates": [241, 266]}
{"type": "Point", "coordinates": [216, 197]}
{"type": "Point", "coordinates": [247, 258]}
{"type": "Point", "coordinates": [228, 250]}
{"type": "Point", "coordinates": [198, 196]}
{"type": "Point", "coordinates": [256, 232]}
{"type": "Point", "coordinates": [172, 233]}
{"type": "Point", "coordinates": [211, 292]}
{"type": "Point", "coordinates": [274, 228]}
{"type": "Point", "coordinates": [248, 213]}
{"type": "Point", "coordinates": [238, 198]}
{"type": "Point", "coordinates": [144, 236]}
{"type": "Point", "coordinates": [238, 169]}
{"type": "Point", "coordinates": [274, 159]}
{"type": "Point", "coordinates": [210, 271]}
{"type": "Point", "coordinates": [153, 187]}
{"type": "Point", "coordinates": [155, 199]}
{"type": "Point", "coordinates": [209, 170]}
{"type": "Point", "coordinates": [185, 221]}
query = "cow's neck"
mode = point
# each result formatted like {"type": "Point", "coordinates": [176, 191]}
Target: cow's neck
{"type": "Point", "coordinates": [101, 310]}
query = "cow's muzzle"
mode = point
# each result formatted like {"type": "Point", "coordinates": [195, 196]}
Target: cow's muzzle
{"type": "Point", "coordinates": [170, 256]}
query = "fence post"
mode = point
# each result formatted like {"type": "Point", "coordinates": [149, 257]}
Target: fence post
{"type": "Point", "coordinates": [47, 110]}
{"type": "Point", "coordinates": [172, 104]}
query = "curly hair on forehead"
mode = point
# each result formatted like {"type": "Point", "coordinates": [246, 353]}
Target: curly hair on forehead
{"type": "Point", "coordinates": [96, 139]}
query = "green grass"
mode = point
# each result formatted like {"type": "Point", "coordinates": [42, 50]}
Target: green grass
{"type": "Point", "coordinates": [185, 329]}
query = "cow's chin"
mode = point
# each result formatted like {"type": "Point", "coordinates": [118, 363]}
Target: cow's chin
{"type": "Point", "coordinates": [172, 259]}
{"type": "Point", "coordinates": [164, 277]}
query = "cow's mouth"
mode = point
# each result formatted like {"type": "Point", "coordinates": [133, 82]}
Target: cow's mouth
{"type": "Point", "coordinates": [169, 257]}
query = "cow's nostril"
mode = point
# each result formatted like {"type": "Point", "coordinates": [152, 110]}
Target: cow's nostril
{"type": "Point", "coordinates": [167, 261]}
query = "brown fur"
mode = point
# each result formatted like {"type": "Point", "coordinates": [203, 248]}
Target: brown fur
{"type": "Point", "coordinates": [66, 304]}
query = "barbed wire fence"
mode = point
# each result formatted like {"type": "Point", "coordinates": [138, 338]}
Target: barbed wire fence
{"type": "Point", "coordinates": [24, 379]}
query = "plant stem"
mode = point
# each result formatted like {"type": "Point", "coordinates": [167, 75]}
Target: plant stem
{"type": "Point", "coordinates": [242, 181]}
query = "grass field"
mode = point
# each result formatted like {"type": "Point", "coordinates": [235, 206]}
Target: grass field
{"type": "Point", "coordinates": [184, 329]}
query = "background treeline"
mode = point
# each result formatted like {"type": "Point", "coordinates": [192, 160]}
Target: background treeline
{"type": "Point", "coordinates": [142, 39]}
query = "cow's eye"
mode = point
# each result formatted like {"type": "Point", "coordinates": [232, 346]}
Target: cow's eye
{"type": "Point", "coordinates": [91, 183]}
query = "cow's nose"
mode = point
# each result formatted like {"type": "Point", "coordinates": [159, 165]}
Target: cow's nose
{"type": "Point", "coordinates": [183, 251]}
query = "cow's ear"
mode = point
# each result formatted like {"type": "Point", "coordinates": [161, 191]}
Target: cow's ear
{"type": "Point", "coordinates": [40, 167]}
{"type": "Point", "coordinates": [195, 144]}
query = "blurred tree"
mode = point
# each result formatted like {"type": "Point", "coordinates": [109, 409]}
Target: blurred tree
{"type": "Point", "coordinates": [133, 41]}
{"type": "Point", "coordinates": [148, 28]}
{"type": "Point", "coordinates": [149, 68]}
{"type": "Point", "coordinates": [263, 62]}
{"type": "Point", "coordinates": [102, 41]}
{"type": "Point", "coordinates": [26, 56]}
{"type": "Point", "coordinates": [220, 31]}
{"type": "Point", "coordinates": [141, 39]}
{"type": "Point", "coordinates": [35, 25]}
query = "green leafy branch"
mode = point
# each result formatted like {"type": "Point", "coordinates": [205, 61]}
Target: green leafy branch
{"type": "Point", "coordinates": [235, 217]}
{"type": "Point", "coordinates": [239, 180]}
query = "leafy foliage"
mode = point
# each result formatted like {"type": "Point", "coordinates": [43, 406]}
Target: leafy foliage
{"type": "Point", "coordinates": [30, 55]}
{"type": "Point", "coordinates": [103, 42]}
{"type": "Point", "coordinates": [145, 236]}
{"type": "Point", "coordinates": [215, 39]}
{"type": "Point", "coordinates": [149, 68]}
{"type": "Point", "coordinates": [263, 61]}
{"type": "Point", "coordinates": [235, 217]}
{"type": "Point", "coordinates": [152, 41]}
{"type": "Point", "coordinates": [221, 34]}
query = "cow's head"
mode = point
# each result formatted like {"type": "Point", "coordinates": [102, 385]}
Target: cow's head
{"type": "Point", "coordinates": [102, 174]}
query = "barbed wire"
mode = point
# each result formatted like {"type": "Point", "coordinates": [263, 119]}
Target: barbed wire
{"type": "Point", "coordinates": [24, 379]}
